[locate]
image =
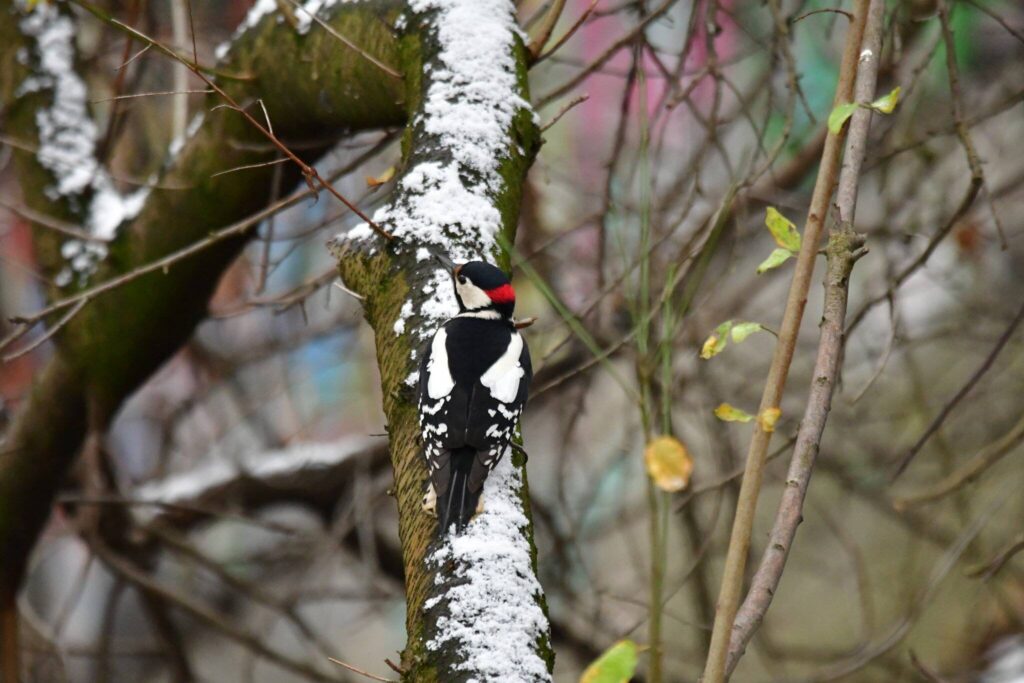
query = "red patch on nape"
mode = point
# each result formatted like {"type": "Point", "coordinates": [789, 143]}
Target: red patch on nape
{"type": "Point", "coordinates": [502, 295]}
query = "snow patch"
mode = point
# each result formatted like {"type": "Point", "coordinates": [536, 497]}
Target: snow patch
{"type": "Point", "coordinates": [1007, 661]}
{"type": "Point", "coordinates": [192, 484]}
{"type": "Point", "coordinates": [403, 315]}
{"type": "Point", "coordinates": [178, 143]}
{"type": "Point", "coordinates": [471, 101]}
{"type": "Point", "coordinates": [303, 19]}
{"type": "Point", "coordinates": [67, 137]}
{"type": "Point", "coordinates": [493, 614]}
{"type": "Point", "coordinates": [304, 15]}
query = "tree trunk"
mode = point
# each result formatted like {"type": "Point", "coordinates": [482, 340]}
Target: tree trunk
{"type": "Point", "coordinates": [313, 87]}
{"type": "Point", "coordinates": [475, 610]}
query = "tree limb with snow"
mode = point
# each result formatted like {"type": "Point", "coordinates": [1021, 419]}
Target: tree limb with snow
{"type": "Point", "coordinates": [475, 610]}
{"type": "Point", "coordinates": [452, 71]}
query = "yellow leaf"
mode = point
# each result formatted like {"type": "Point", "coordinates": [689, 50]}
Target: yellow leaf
{"type": "Point", "coordinates": [782, 229]}
{"type": "Point", "coordinates": [728, 413]}
{"type": "Point", "coordinates": [887, 103]}
{"type": "Point", "coordinates": [381, 179]}
{"type": "Point", "coordinates": [767, 419]}
{"type": "Point", "coordinates": [668, 463]}
{"type": "Point", "coordinates": [717, 341]}
{"type": "Point", "coordinates": [616, 665]}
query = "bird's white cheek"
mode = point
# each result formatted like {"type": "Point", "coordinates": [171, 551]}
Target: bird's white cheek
{"type": "Point", "coordinates": [472, 296]}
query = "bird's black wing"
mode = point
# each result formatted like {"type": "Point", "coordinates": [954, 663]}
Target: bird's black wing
{"type": "Point", "coordinates": [473, 386]}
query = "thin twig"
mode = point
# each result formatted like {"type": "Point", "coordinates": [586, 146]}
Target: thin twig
{"type": "Point", "coordinates": [959, 396]}
{"type": "Point", "coordinates": [133, 58]}
{"type": "Point", "coordinates": [568, 34]}
{"type": "Point", "coordinates": [970, 471]}
{"type": "Point", "coordinates": [992, 567]}
{"type": "Point", "coordinates": [36, 343]}
{"type": "Point", "coordinates": [348, 43]}
{"type": "Point", "coordinates": [308, 172]}
{"type": "Point", "coordinates": [564, 110]}
{"type": "Point", "coordinates": [245, 167]}
{"type": "Point", "coordinates": [361, 672]}
{"type": "Point", "coordinates": [963, 132]}
{"type": "Point", "coordinates": [551, 18]}
{"type": "Point", "coordinates": [198, 91]}
{"type": "Point", "coordinates": [49, 222]}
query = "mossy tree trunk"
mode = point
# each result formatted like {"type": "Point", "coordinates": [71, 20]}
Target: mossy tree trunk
{"type": "Point", "coordinates": [313, 87]}
{"type": "Point", "coordinates": [398, 283]}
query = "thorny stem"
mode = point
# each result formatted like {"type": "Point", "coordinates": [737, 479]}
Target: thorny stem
{"type": "Point", "coordinates": [739, 543]}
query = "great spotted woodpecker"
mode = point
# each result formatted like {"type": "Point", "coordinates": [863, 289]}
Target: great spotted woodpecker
{"type": "Point", "coordinates": [474, 379]}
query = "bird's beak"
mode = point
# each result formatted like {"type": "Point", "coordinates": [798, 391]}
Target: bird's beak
{"type": "Point", "coordinates": [445, 261]}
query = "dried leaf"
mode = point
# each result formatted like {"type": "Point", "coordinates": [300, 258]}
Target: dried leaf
{"type": "Point", "coordinates": [839, 116]}
{"type": "Point", "coordinates": [616, 665]}
{"type": "Point", "coordinates": [714, 344]}
{"type": "Point", "coordinates": [887, 103]}
{"type": "Point", "coordinates": [382, 178]}
{"type": "Point", "coordinates": [741, 331]}
{"type": "Point", "coordinates": [782, 229]}
{"type": "Point", "coordinates": [668, 463]}
{"type": "Point", "coordinates": [728, 413]}
{"type": "Point", "coordinates": [767, 419]}
{"type": "Point", "coordinates": [774, 260]}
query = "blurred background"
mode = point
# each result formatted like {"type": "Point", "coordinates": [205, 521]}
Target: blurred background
{"type": "Point", "coordinates": [256, 460]}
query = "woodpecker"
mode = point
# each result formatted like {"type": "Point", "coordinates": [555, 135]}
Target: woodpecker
{"type": "Point", "coordinates": [474, 378]}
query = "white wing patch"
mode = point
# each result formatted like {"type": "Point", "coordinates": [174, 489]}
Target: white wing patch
{"type": "Point", "coordinates": [439, 376]}
{"type": "Point", "coordinates": [503, 377]}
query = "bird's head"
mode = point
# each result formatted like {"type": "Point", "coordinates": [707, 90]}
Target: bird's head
{"type": "Point", "coordinates": [481, 288]}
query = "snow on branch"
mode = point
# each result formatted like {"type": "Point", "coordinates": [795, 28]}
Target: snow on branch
{"type": "Point", "coordinates": [447, 201]}
{"type": "Point", "coordinates": [67, 139]}
{"type": "Point", "coordinates": [484, 619]}
{"type": "Point", "coordinates": [306, 467]}
{"type": "Point", "coordinates": [489, 609]}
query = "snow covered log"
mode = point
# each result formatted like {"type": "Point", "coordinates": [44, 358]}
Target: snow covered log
{"type": "Point", "coordinates": [475, 610]}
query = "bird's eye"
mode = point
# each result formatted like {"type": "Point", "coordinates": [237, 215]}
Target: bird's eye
{"type": "Point", "coordinates": [462, 279]}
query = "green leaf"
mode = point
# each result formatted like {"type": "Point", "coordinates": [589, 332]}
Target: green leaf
{"type": "Point", "coordinates": [728, 413]}
{"type": "Point", "coordinates": [616, 665]}
{"type": "Point", "coordinates": [839, 115]}
{"type": "Point", "coordinates": [782, 229]}
{"type": "Point", "coordinates": [741, 331]}
{"type": "Point", "coordinates": [774, 260]}
{"type": "Point", "coordinates": [714, 344]}
{"type": "Point", "coordinates": [887, 103]}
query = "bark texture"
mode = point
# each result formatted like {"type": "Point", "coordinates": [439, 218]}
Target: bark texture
{"type": "Point", "coordinates": [391, 276]}
{"type": "Point", "coordinates": [315, 90]}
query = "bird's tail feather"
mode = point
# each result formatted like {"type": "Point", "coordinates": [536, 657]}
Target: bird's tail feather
{"type": "Point", "coordinates": [458, 504]}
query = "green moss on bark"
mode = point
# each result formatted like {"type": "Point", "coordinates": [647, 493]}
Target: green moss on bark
{"type": "Point", "coordinates": [387, 277]}
{"type": "Point", "coordinates": [119, 339]}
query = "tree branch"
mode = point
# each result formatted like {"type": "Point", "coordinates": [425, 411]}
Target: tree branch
{"type": "Point", "coordinates": [739, 543]}
{"type": "Point", "coordinates": [845, 247]}
{"type": "Point", "coordinates": [116, 342]}
{"type": "Point", "coordinates": [474, 607]}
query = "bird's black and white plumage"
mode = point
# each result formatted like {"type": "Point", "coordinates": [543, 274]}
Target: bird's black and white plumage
{"type": "Point", "coordinates": [474, 379]}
